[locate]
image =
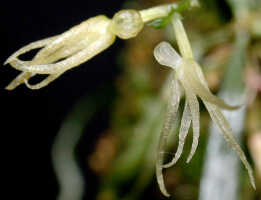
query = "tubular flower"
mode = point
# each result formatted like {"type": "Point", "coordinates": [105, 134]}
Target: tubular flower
{"type": "Point", "coordinates": [81, 43]}
{"type": "Point", "coordinates": [74, 47]}
{"type": "Point", "coordinates": [189, 77]}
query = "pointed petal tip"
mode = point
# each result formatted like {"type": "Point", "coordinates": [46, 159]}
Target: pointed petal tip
{"type": "Point", "coordinates": [188, 159]}
{"type": "Point", "coordinates": [160, 180]}
{"type": "Point", "coordinates": [252, 180]}
{"type": "Point", "coordinates": [192, 153]}
{"type": "Point", "coordinates": [167, 195]}
{"type": "Point", "coordinates": [162, 185]}
{"type": "Point", "coordinates": [9, 87]}
{"type": "Point", "coordinates": [7, 61]}
{"type": "Point", "coordinates": [164, 191]}
{"type": "Point", "coordinates": [253, 185]}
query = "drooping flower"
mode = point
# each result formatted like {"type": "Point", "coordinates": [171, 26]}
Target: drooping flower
{"type": "Point", "coordinates": [74, 47]}
{"type": "Point", "coordinates": [189, 77]}
{"type": "Point", "coordinates": [84, 41]}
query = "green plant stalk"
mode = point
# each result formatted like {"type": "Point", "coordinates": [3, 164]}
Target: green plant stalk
{"type": "Point", "coordinates": [164, 10]}
{"type": "Point", "coordinates": [156, 12]}
{"type": "Point", "coordinates": [182, 38]}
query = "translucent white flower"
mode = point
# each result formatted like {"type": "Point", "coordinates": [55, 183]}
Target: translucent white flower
{"type": "Point", "coordinates": [73, 47]}
{"type": "Point", "coordinates": [81, 43]}
{"type": "Point", "coordinates": [189, 76]}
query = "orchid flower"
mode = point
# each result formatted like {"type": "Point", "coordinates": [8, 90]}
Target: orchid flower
{"type": "Point", "coordinates": [84, 41]}
{"type": "Point", "coordinates": [74, 47]}
{"type": "Point", "coordinates": [188, 77]}
{"type": "Point", "coordinates": [81, 43]}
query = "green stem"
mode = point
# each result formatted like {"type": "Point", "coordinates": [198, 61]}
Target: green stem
{"type": "Point", "coordinates": [181, 36]}
{"type": "Point", "coordinates": [163, 10]}
{"type": "Point", "coordinates": [157, 12]}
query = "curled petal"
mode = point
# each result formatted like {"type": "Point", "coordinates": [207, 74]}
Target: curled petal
{"type": "Point", "coordinates": [43, 83]}
{"type": "Point", "coordinates": [171, 116]}
{"type": "Point", "coordinates": [226, 131]}
{"type": "Point", "coordinates": [160, 178]}
{"type": "Point", "coordinates": [192, 80]}
{"type": "Point", "coordinates": [166, 55]}
{"type": "Point", "coordinates": [183, 132]}
{"type": "Point", "coordinates": [19, 80]}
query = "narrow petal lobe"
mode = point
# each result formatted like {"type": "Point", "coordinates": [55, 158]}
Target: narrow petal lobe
{"type": "Point", "coordinates": [226, 131]}
{"type": "Point", "coordinates": [194, 108]}
{"type": "Point", "coordinates": [183, 132]}
{"type": "Point", "coordinates": [171, 116]}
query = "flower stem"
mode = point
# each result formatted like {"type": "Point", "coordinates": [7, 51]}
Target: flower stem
{"type": "Point", "coordinates": [163, 10]}
{"type": "Point", "coordinates": [157, 12]}
{"type": "Point", "coordinates": [181, 36]}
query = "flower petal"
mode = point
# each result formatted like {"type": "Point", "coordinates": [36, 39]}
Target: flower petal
{"type": "Point", "coordinates": [194, 108]}
{"type": "Point", "coordinates": [171, 116]}
{"type": "Point", "coordinates": [19, 80]}
{"type": "Point", "coordinates": [31, 46]}
{"type": "Point", "coordinates": [166, 55]}
{"type": "Point", "coordinates": [226, 131]}
{"type": "Point", "coordinates": [192, 80]}
{"type": "Point", "coordinates": [183, 132]}
{"type": "Point", "coordinates": [43, 83]}
{"type": "Point", "coordinates": [82, 56]}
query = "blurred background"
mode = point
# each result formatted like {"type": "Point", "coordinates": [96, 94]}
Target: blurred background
{"type": "Point", "coordinates": [93, 133]}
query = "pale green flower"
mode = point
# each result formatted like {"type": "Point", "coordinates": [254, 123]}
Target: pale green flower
{"type": "Point", "coordinates": [81, 43]}
{"type": "Point", "coordinates": [189, 77]}
{"type": "Point", "coordinates": [73, 47]}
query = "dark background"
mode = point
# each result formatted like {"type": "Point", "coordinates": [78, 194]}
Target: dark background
{"type": "Point", "coordinates": [30, 119]}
